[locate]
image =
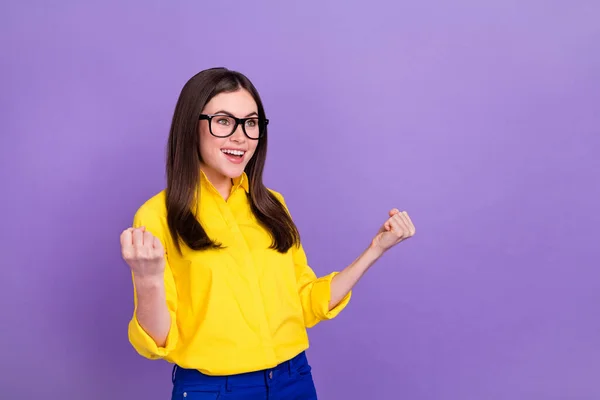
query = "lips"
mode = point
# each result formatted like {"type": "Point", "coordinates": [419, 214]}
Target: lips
{"type": "Point", "coordinates": [234, 155]}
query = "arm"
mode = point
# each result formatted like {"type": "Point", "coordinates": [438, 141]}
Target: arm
{"type": "Point", "coordinates": [336, 288]}
{"type": "Point", "coordinates": [152, 329]}
{"type": "Point", "coordinates": [324, 298]}
{"type": "Point", "coordinates": [396, 229]}
{"type": "Point", "coordinates": [151, 308]}
{"type": "Point", "coordinates": [342, 283]}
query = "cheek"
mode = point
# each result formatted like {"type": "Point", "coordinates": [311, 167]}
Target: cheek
{"type": "Point", "coordinates": [209, 145]}
{"type": "Point", "coordinates": [205, 137]}
{"type": "Point", "coordinates": [252, 147]}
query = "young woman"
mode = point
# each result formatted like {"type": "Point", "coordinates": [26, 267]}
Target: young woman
{"type": "Point", "coordinates": [222, 288]}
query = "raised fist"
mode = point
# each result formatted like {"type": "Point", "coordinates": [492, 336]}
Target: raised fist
{"type": "Point", "coordinates": [143, 252]}
{"type": "Point", "coordinates": [396, 229]}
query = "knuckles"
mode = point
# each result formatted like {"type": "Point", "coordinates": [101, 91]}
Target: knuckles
{"type": "Point", "coordinates": [405, 234]}
{"type": "Point", "coordinates": [146, 254]}
{"type": "Point", "coordinates": [133, 253]}
{"type": "Point", "coordinates": [140, 257]}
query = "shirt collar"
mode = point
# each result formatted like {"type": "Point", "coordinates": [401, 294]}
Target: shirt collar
{"type": "Point", "coordinates": [240, 181]}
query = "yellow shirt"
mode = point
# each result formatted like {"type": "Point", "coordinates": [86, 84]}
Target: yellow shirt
{"type": "Point", "coordinates": [238, 309]}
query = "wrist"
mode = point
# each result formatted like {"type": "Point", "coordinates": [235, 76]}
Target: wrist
{"type": "Point", "coordinates": [374, 251]}
{"type": "Point", "coordinates": [148, 282]}
{"type": "Point", "coordinates": [368, 257]}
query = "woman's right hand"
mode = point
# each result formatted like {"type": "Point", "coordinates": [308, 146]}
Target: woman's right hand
{"type": "Point", "coordinates": [143, 252]}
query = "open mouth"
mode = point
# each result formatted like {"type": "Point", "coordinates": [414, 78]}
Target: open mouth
{"type": "Point", "coordinates": [233, 155]}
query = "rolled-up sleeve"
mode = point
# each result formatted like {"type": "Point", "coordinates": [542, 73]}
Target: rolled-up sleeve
{"type": "Point", "coordinates": [315, 293]}
{"type": "Point", "coordinates": [141, 341]}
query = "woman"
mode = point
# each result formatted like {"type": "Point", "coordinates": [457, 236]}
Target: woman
{"type": "Point", "coordinates": [222, 288]}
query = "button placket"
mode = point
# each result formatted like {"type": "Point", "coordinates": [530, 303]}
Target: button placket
{"type": "Point", "coordinates": [226, 208]}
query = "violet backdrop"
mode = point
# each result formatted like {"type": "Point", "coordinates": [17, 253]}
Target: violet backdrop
{"type": "Point", "coordinates": [482, 119]}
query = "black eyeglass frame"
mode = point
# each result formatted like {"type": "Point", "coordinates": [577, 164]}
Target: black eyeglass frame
{"type": "Point", "coordinates": [238, 121]}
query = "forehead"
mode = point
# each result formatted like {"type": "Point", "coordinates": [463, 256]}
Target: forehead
{"type": "Point", "coordinates": [238, 103]}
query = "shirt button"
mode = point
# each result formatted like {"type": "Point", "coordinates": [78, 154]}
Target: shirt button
{"type": "Point", "coordinates": [271, 375]}
{"type": "Point", "coordinates": [184, 394]}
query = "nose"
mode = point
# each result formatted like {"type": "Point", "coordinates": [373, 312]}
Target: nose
{"type": "Point", "coordinates": [238, 135]}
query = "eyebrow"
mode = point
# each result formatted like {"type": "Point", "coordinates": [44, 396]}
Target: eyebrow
{"type": "Point", "coordinates": [231, 115]}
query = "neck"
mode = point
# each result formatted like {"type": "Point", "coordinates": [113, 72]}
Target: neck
{"type": "Point", "coordinates": [222, 183]}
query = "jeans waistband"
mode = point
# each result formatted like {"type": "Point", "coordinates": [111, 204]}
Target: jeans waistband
{"type": "Point", "coordinates": [183, 376]}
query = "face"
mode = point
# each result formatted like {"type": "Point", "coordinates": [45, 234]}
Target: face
{"type": "Point", "coordinates": [224, 159]}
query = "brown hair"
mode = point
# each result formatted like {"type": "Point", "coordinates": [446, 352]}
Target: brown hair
{"type": "Point", "coordinates": [183, 166]}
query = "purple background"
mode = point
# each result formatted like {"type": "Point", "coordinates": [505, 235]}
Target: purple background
{"type": "Point", "coordinates": [482, 119]}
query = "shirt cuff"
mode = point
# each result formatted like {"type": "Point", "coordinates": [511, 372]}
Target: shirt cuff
{"type": "Point", "coordinates": [145, 345]}
{"type": "Point", "coordinates": [321, 296]}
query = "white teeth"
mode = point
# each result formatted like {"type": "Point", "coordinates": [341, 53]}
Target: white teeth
{"type": "Point", "coordinates": [234, 152]}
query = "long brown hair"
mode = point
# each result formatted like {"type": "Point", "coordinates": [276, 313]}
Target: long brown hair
{"type": "Point", "coordinates": [183, 166]}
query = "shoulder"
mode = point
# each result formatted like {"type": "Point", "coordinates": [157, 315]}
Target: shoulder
{"type": "Point", "coordinates": [152, 214]}
{"type": "Point", "coordinates": [279, 197]}
{"type": "Point", "coordinates": [275, 193]}
{"type": "Point", "coordinates": [281, 200]}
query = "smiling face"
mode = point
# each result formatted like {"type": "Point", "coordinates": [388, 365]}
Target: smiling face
{"type": "Point", "coordinates": [226, 158]}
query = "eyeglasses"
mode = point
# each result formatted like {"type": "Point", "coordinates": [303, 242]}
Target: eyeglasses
{"type": "Point", "coordinates": [222, 126]}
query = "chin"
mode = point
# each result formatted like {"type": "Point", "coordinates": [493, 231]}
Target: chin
{"type": "Point", "coordinates": [233, 172]}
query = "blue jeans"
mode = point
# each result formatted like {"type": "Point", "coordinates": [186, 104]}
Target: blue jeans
{"type": "Point", "coordinates": [291, 380]}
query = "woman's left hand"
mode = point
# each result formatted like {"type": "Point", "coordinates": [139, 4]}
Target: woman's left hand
{"type": "Point", "coordinates": [396, 229]}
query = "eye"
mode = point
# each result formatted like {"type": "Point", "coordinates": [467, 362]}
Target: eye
{"type": "Point", "coordinates": [223, 121]}
{"type": "Point", "coordinates": [251, 123]}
